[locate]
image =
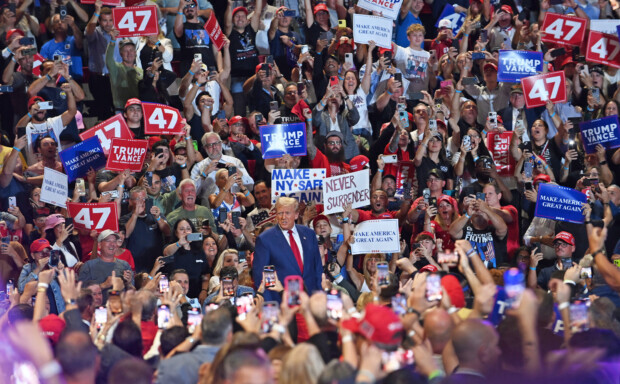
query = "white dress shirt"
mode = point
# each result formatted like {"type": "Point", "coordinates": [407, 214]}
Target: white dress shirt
{"type": "Point", "coordinates": [297, 239]}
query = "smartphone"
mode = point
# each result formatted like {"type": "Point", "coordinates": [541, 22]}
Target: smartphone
{"type": "Point", "coordinates": [198, 57]}
{"type": "Point", "coordinates": [617, 263]}
{"type": "Point", "coordinates": [29, 51]}
{"type": "Point", "coordinates": [342, 23]}
{"type": "Point", "coordinates": [383, 274]}
{"type": "Point", "coordinates": [334, 305]}
{"type": "Point", "coordinates": [221, 114]}
{"type": "Point", "coordinates": [12, 201]}
{"type": "Point", "coordinates": [398, 77]}
{"type": "Point", "coordinates": [432, 125]}
{"type": "Point", "coordinates": [514, 285]}
{"type": "Point", "coordinates": [433, 287]}
{"type": "Point", "coordinates": [404, 118]}
{"type": "Point", "coordinates": [444, 84]}
{"type": "Point", "coordinates": [323, 36]}
{"type": "Point", "coordinates": [480, 196]}
{"type": "Point", "coordinates": [164, 284]}
{"type": "Point", "coordinates": [477, 56]}
{"type": "Point", "coordinates": [62, 11]}
{"type": "Point", "coordinates": [80, 186]}
{"type": "Point", "coordinates": [113, 194]}
{"type": "Point", "coordinates": [399, 304]}
{"type": "Point", "coordinates": [149, 178]}
{"type": "Point", "coordinates": [305, 49]}
{"type": "Point", "coordinates": [388, 55]}
{"type": "Point", "coordinates": [68, 221]}
{"type": "Point", "coordinates": [333, 81]}
{"type": "Point", "coordinates": [289, 13]}
{"type": "Point", "coordinates": [163, 316]}
{"type": "Point", "coordinates": [567, 262]}
{"type": "Point", "coordinates": [244, 305]}
{"type": "Point", "coordinates": [529, 186]}
{"type": "Point", "coordinates": [348, 58]}
{"type": "Point", "coordinates": [235, 219]}
{"type": "Point", "coordinates": [194, 236]}
{"type": "Point", "coordinates": [227, 287]}
{"type": "Point", "coordinates": [579, 316]}
{"type": "Point", "coordinates": [101, 317]}
{"type": "Point", "coordinates": [21, 131]}
{"type": "Point", "coordinates": [168, 259]}
{"type": "Point", "coordinates": [6, 88]}
{"type": "Point", "coordinates": [9, 287]}
{"type": "Point", "coordinates": [26, 41]}
{"type": "Point", "coordinates": [45, 105]}
{"type": "Point", "coordinates": [270, 316]}
{"type": "Point", "coordinates": [273, 105]}
{"type": "Point", "coordinates": [194, 319]}
{"type": "Point", "coordinates": [301, 87]}
{"type": "Point", "coordinates": [54, 258]}
{"type": "Point", "coordinates": [258, 118]}
{"type": "Point", "coordinates": [558, 52]}
{"type": "Point", "coordinates": [13, 7]}
{"type": "Point", "coordinates": [432, 201]}
{"type": "Point", "coordinates": [426, 195]}
{"type": "Point", "coordinates": [469, 81]}
{"type": "Point", "coordinates": [232, 170]}
{"type": "Point", "coordinates": [417, 96]}
{"type": "Point", "coordinates": [6, 239]}
{"type": "Point", "coordinates": [293, 286]}
{"type": "Point", "coordinates": [493, 119]}
{"type": "Point", "coordinates": [407, 190]}
{"type": "Point", "coordinates": [596, 93]}
{"type": "Point", "coordinates": [148, 204]}
{"type": "Point", "coordinates": [223, 215]}
{"type": "Point", "coordinates": [484, 35]}
{"type": "Point", "coordinates": [528, 168]}
{"type": "Point", "coordinates": [390, 159]}
{"type": "Point", "coordinates": [447, 257]}
{"type": "Point", "coordinates": [265, 67]}
{"type": "Point", "coordinates": [467, 142]}
{"type": "Point", "coordinates": [242, 258]}
{"type": "Point", "coordinates": [269, 276]}
{"type": "Point", "coordinates": [586, 273]}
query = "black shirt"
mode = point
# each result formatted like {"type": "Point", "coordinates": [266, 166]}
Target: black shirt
{"type": "Point", "coordinates": [490, 248]}
{"type": "Point", "coordinates": [194, 262]}
{"type": "Point", "coordinates": [195, 40]}
{"type": "Point", "coordinates": [243, 53]}
{"type": "Point", "coordinates": [427, 165]}
{"type": "Point", "coordinates": [145, 243]}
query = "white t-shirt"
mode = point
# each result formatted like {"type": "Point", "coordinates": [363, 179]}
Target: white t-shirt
{"type": "Point", "coordinates": [52, 125]}
{"type": "Point", "coordinates": [214, 90]}
{"type": "Point", "coordinates": [413, 64]}
{"type": "Point", "coordinates": [359, 100]}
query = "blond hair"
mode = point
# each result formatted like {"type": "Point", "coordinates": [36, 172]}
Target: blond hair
{"type": "Point", "coordinates": [302, 365]}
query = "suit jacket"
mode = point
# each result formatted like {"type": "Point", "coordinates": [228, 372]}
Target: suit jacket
{"type": "Point", "coordinates": [183, 368]}
{"type": "Point", "coordinates": [531, 114]}
{"type": "Point", "coordinates": [272, 248]}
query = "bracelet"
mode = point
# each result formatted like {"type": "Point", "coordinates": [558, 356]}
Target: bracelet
{"type": "Point", "coordinates": [247, 193]}
{"type": "Point", "coordinates": [159, 218]}
{"type": "Point", "coordinates": [546, 166]}
{"type": "Point", "coordinates": [380, 170]}
{"type": "Point", "coordinates": [96, 14]}
{"type": "Point", "coordinates": [368, 374]}
{"type": "Point", "coordinates": [178, 245]}
{"type": "Point", "coordinates": [457, 91]}
{"type": "Point", "coordinates": [563, 305]}
{"type": "Point", "coordinates": [180, 13]}
{"type": "Point", "coordinates": [604, 162]}
{"type": "Point", "coordinates": [29, 115]}
{"type": "Point", "coordinates": [466, 34]}
{"type": "Point", "coordinates": [121, 186]}
{"type": "Point", "coordinates": [533, 269]}
{"type": "Point", "coordinates": [17, 149]}
{"type": "Point", "coordinates": [476, 159]}
{"type": "Point", "coordinates": [48, 77]}
{"type": "Point", "coordinates": [190, 72]}
{"type": "Point", "coordinates": [322, 103]}
{"type": "Point", "coordinates": [183, 166]}
{"type": "Point", "coordinates": [452, 310]}
{"type": "Point", "coordinates": [467, 215]}
{"type": "Point", "coordinates": [469, 253]}
{"type": "Point", "coordinates": [388, 92]}
{"type": "Point", "coordinates": [188, 137]}
{"type": "Point", "coordinates": [434, 374]}
{"type": "Point", "coordinates": [553, 114]}
{"type": "Point", "coordinates": [309, 119]}
{"type": "Point", "coordinates": [484, 131]}
{"type": "Point", "coordinates": [203, 174]}
{"type": "Point", "coordinates": [410, 334]}
{"type": "Point", "coordinates": [346, 339]}
{"type": "Point", "coordinates": [43, 285]}
{"type": "Point", "coordinates": [566, 168]}
{"type": "Point", "coordinates": [351, 310]}
{"type": "Point", "coordinates": [50, 370]}
{"type": "Point", "coordinates": [9, 50]}
{"type": "Point", "coordinates": [41, 290]}
{"type": "Point", "coordinates": [414, 311]}
{"type": "Point", "coordinates": [345, 220]}
{"type": "Point", "coordinates": [190, 339]}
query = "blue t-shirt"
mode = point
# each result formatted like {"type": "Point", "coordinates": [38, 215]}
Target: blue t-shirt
{"type": "Point", "coordinates": [65, 48]}
{"type": "Point", "coordinates": [401, 28]}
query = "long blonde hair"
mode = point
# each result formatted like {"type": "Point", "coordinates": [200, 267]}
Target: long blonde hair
{"type": "Point", "coordinates": [220, 260]}
{"type": "Point", "coordinates": [302, 365]}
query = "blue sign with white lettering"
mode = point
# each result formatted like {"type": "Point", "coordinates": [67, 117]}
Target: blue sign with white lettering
{"type": "Point", "coordinates": [283, 139]}
{"type": "Point", "coordinates": [603, 131]}
{"type": "Point", "coordinates": [79, 158]}
{"type": "Point", "coordinates": [515, 65]}
{"type": "Point", "coordinates": [456, 19]}
{"type": "Point", "coordinates": [560, 203]}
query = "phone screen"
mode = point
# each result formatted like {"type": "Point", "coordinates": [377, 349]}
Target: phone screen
{"type": "Point", "coordinates": [383, 274]}
{"type": "Point", "coordinates": [399, 304]}
{"type": "Point", "coordinates": [164, 285]}
{"type": "Point", "coordinates": [270, 316]}
{"type": "Point", "coordinates": [293, 289]}
{"type": "Point", "coordinates": [163, 316]}
{"type": "Point", "coordinates": [101, 316]}
{"type": "Point", "coordinates": [194, 318]}
{"type": "Point", "coordinates": [433, 287]}
{"type": "Point", "coordinates": [334, 305]}
{"type": "Point", "coordinates": [244, 305]}
{"type": "Point", "coordinates": [270, 276]}
{"type": "Point", "coordinates": [227, 287]}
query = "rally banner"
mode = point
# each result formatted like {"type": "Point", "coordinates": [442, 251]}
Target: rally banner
{"type": "Point", "coordinates": [161, 119]}
{"type": "Point", "coordinates": [113, 3]}
{"type": "Point", "coordinates": [55, 189]}
{"type": "Point", "coordinates": [563, 30]}
{"type": "Point", "coordinates": [136, 21]}
{"type": "Point", "coordinates": [376, 236]}
{"type": "Point", "coordinates": [540, 88]}
{"type": "Point", "coordinates": [304, 184]}
{"type": "Point", "coordinates": [386, 8]}
{"type": "Point", "coordinates": [560, 203]}
{"type": "Point", "coordinates": [499, 146]}
{"type": "Point", "coordinates": [79, 158]}
{"type": "Point", "coordinates": [603, 49]}
{"type": "Point", "coordinates": [603, 131]}
{"type": "Point", "coordinates": [283, 139]}
{"type": "Point", "coordinates": [350, 188]}
{"type": "Point", "coordinates": [37, 60]}
{"type": "Point", "coordinates": [456, 19]}
{"type": "Point", "coordinates": [515, 65]}
{"type": "Point", "coordinates": [94, 216]}
{"type": "Point", "coordinates": [127, 154]}
{"type": "Point", "coordinates": [405, 173]}
{"type": "Point", "coordinates": [214, 31]}
{"type": "Point", "coordinates": [375, 28]}
{"type": "Point", "coordinates": [113, 128]}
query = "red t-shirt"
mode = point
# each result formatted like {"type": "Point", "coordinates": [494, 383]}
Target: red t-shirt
{"type": "Point", "coordinates": [331, 169]}
{"type": "Point", "coordinates": [512, 244]}
{"type": "Point", "coordinates": [392, 169]}
{"type": "Point", "coordinates": [368, 215]}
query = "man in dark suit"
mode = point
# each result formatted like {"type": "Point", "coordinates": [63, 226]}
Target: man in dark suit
{"type": "Point", "coordinates": [516, 110]}
{"type": "Point", "coordinates": [291, 249]}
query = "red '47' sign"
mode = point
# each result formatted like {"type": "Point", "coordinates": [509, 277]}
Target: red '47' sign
{"type": "Point", "coordinates": [565, 30]}
{"type": "Point", "coordinates": [127, 154]}
{"type": "Point", "coordinates": [113, 128]}
{"type": "Point", "coordinates": [603, 48]}
{"type": "Point", "coordinates": [160, 119]}
{"type": "Point", "coordinates": [540, 88]}
{"type": "Point", "coordinates": [136, 21]}
{"type": "Point", "coordinates": [94, 216]}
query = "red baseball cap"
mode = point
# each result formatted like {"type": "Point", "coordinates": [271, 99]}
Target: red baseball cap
{"type": "Point", "coordinates": [243, 9]}
{"type": "Point", "coordinates": [318, 218]}
{"type": "Point", "coordinates": [489, 65]}
{"type": "Point", "coordinates": [453, 288]}
{"type": "Point", "coordinates": [237, 119]}
{"type": "Point", "coordinates": [51, 327]}
{"type": "Point", "coordinates": [429, 268]}
{"type": "Point", "coordinates": [259, 67]}
{"type": "Point", "coordinates": [133, 101]}
{"type": "Point", "coordinates": [13, 31]}
{"type": "Point", "coordinates": [426, 234]}
{"type": "Point", "coordinates": [359, 162]}
{"type": "Point", "coordinates": [567, 60]}
{"type": "Point", "coordinates": [34, 99]}
{"type": "Point", "coordinates": [542, 177]}
{"type": "Point", "coordinates": [379, 325]}
{"type": "Point", "coordinates": [319, 8]}
{"type": "Point", "coordinates": [451, 200]}
{"type": "Point", "coordinates": [506, 8]}
{"type": "Point", "coordinates": [565, 237]}
{"type": "Point", "coordinates": [39, 244]}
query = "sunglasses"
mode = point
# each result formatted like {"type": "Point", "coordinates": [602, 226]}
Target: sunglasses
{"type": "Point", "coordinates": [192, 5]}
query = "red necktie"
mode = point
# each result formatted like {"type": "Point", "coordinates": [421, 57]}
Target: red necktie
{"type": "Point", "coordinates": [295, 250]}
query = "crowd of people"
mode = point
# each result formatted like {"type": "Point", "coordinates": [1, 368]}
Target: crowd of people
{"type": "Point", "coordinates": [216, 276]}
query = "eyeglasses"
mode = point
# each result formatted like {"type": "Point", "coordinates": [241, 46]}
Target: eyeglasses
{"type": "Point", "coordinates": [213, 144]}
{"type": "Point", "coordinates": [433, 180]}
{"type": "Point", "coordinates": [560, 244]}
{"type": "Point", "coordinates": [294, 93]}
{"type": "Point", "coordinates": [474, 136]}
{"type": "Point", "coordinates": [192, 5]}
{"type": "Point", "coordinates": [138, 198]}
{"type": "Point", "coordinates": [331, 142]}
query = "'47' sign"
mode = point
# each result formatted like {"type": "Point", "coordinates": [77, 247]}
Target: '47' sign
{"type": "Point", "coordinates": [113, 128]}
{"type": "Point", "coordinates": [94, 216]}
{"type": "Point", "coordinates": [603, 48]}
{"type": "Point", "coordinates": [160, 119]}
{"type": "Point", "coordinates": [136, 21]}
{"type": "Point", "coordinates": [565, 30]}
{"type": "Point", "coordinates": [540, 88]}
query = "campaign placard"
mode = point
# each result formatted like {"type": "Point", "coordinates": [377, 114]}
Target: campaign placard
{"type": "Point", "coordinates": [136, 21]}
{"type": "Point", "coordinates": [515, 65]}
{"type": "Point", "coordinates": [376, 236]}
{"type": "Point", "coordinates": [603, 131]}
{"type": "Point", "coordinates": [304, 184]}
{"type": "Point", "coordinates": [603, 48]}
{"type": "Point", "coordinates": [499, 146]}
{"type": "Point", "coordinates": [54, 189]}
{"type": "Point", "coordinates": [405, 174]}
{"type": "Point", "coordinates": [386, 8]}
{"type": "Point", "coordinates": [457, 19]}
{"type": "Point", "coordinates": [560, 203]}
{"type": "Point", "coordinates": [283, 139]}
{"type": "Point", "coordinates": [563, 30]}
{"type": "Point", "coordinates": [114, 3]}
{"type": "Point", "coordinates": [214, 31]}
{"type": "Point", "coordinates": [114, 127]}
{"type": "Point", "coordinates": [79, 158]}
{"type": "Point", "coordinates": [161, 119]}
{"type": "Point", "coordinates": [350, 188]}
{"type": "Point", "coordinates": [375, 28]}
{"type": "Point", "coordinates": [127, 154]}
{"type": "Point", "coordinates": [94, 216]}
{"type": "Point", "coordinates": [540, 88]}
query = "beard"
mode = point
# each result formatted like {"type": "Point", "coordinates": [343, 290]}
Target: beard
{"type": "Point", "coordinates": [224, 135]}
{"type": "Point", "coordinates": [335, 157]}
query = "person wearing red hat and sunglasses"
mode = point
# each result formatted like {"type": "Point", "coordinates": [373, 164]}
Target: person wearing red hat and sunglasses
{"type": "Point", "coordinates": [564, 245]}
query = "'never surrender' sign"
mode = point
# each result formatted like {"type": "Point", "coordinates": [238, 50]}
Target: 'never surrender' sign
{"type": "Point", "coordinates": [515, 65]}
{"type": "Point", "coordinates": [602, 131]}
{"type": "Point", "coordinates": [560, 203]}
{"type": "Point", "coordinates": [283, 139]}
{"type": "Point", "coordinates": [350, 188]}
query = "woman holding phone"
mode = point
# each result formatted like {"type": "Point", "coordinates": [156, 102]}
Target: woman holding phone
{"type": "Point", "coordinates": [231, 202]}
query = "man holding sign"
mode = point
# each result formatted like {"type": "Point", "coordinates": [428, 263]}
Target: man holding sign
{"type": "Point", "coordinates": [193, 39]}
